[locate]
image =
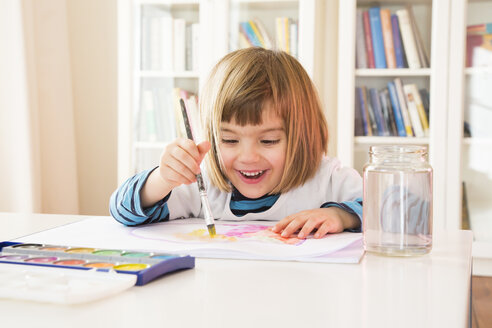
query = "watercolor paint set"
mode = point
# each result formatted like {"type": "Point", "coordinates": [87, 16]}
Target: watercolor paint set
{"type": "Point", "coordinates": [68, 274]}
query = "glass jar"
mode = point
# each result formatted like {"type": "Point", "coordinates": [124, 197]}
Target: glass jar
{"type": "Point", "coordinates": [397, 205]}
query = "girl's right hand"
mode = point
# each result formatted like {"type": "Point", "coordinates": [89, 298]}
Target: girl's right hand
{"type": "Point", "coordinates": [180, 161]}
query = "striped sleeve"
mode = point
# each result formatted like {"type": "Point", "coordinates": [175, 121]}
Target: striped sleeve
{"type": "Point", "coordinates": [125, 206]}
{"type": "Point", "coordinates": [353, 207]}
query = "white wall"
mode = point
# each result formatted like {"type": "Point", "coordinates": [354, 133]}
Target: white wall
{"type": "Point", "coordinates": [92, 40]}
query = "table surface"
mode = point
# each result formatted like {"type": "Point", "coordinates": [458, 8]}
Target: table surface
{"type": "Point", "coordinates": [427, 291]}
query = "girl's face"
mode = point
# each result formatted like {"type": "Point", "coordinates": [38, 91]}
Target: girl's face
{"type": "Point", "coordinates": [254, 155]}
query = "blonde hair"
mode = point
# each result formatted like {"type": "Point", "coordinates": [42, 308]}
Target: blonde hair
{"type": "Point", "coordinates": [241, 85]}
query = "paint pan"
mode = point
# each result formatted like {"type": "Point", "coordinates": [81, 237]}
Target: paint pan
{"type": "Point", "coordinates": [108, 252]}
{"type": "Point", "coordinates": [131, 267]}
{"type": "Point", "coordinates": [99, 265]}
{"type": "Point", "coordinates": [80, 250]}
{"type": "Point", "coordinates": [70, 262]}
{"type": "Point", "coordinates": [136, 254]}
{"type": "Point", "coordinates": [44, 259]}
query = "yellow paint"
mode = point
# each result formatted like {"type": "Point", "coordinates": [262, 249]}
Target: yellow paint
{"type": "Point", "coordinates": [203, 235]}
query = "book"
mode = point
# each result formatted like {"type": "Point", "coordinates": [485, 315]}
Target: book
{"type": "Point", "coordinates": [485, 28]}
{"type": "Point", "coordinates": [377, 37]}
{"type": "Point", "coordinates": [368, 40]}
{"type": "Point", "coordinates": [293, 38]}
{"type": "Point", "coordinates": [148, 110]}
{"type": "Point", "coordinates": [358, 122]}
{"type": "Point", "coordinates": [420, 107]}
{"type": "Point", "coordinates": [360, 46]}
{"type": "Point", "coordinates": [422, 53]}
{"type": "Point", "coordinates": [195, 46]}
{"type": "Point", "coordinates": [478, 50]}
{"type": "Point", "coordinates": [370, 111]}
{"type": "Point", "coordinates": [389, 49]}
{"type": "Point", "coordinates": [394, 129]}
{"type": "Point", "coordinates": [378, 112]}
{"type": "Point", "coordinates": [243, 41]}
{"type": "Point", "coordinates": [403, 107]}
{"type": "Point", "coordinates": [400, 125]}
{"type": "Point", "coordinates": [408, 39]}
{"type": "Point", "coordinates": [282, 33]}
{"type": "Point", "coordinates": [257, 33]}
{"type": "Point", "coordinates": [424, 95]}
{"type": "Point", "coordinates": [166, 43]}
{"type": "Point", "coordinates": [262, 30]}
{"type": "Point", "coordinates": [397, 44]}
{"type": "Point", "coordinates": [179, 44]}
{"type": "Point", "coordinates": [413, 111]}
{"type": "Point", "coordinates": [366, 123]}
{"type": "Point", "coordinates": [247, 30]}
{"type": "Point", "coordinates": [387, 112]}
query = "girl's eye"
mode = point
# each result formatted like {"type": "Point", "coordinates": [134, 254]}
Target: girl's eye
{"type": "Point", "coordinates": [229, 141]}
{"type": "Point", "coordinates": [270, 142]}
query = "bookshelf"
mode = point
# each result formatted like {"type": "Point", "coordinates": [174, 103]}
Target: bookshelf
{"type": "Point", "coordinates": [148, 72]}
{"type": "Point", "coordinates": [470, 157]}
{"type": "Point", "coordinates": [432, 19]}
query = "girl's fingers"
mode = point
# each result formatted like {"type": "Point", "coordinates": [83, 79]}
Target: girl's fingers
{"type": "Point", "coordinates": [293, 226]}
{"type": "Point", "coordinates": [175, 176]}
{"type": "Point", "coordinates": [325, 228]}
{"type": "Point", "coordinates": [309, 226]}
{"type": "Point", "coordinates": [280, 225]}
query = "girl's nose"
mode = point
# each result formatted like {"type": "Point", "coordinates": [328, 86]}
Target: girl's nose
{"type": "Point", "coordinates": [249, 154]}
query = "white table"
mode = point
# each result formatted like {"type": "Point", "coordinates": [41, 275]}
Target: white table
{"type": "Point", "coordinates": [428, 291]}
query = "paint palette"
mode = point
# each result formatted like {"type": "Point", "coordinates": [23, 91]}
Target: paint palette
{"type": "Point", "coordinates": [146, 266]}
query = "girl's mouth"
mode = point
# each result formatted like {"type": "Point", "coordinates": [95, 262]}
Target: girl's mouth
{"type": "Point", "coordinates": [252, 174]}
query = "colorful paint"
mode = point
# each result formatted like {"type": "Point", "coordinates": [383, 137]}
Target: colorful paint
{"type": "Point", "coordinates": [70, 262]}
{"type": "Point", "coordinates": [48, 259]}
{"type": "Point", "coordinates": [136, 254]}
{"type": "Point", "coordinates": [99, 265]}
{"type": "Point", "coordinates": [145, 265]}
{"type": "Point", "coordinates": [131, 267]}
{"type": "Point", "coordinates": [80, 250]}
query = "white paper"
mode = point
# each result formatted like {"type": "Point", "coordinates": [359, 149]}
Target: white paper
{"type": "Point", "coordinates": [238, 240]}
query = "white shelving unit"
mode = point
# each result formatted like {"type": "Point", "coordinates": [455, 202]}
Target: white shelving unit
{"type": "Point", "coordinates": [433, 17]}
{"type": "Point", "coordinates": [470, 158]}
{"type": "Point", "coordinates": [219, 24]}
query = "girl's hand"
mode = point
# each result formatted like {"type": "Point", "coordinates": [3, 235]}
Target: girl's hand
{"type": "Point", "coordinates": [324, 220]}
{"type": "Point", "coordinates": [180, 161]}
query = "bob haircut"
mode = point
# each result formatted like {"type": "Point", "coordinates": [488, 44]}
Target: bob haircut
{"type": "Point", "coordinates": [245, 82]}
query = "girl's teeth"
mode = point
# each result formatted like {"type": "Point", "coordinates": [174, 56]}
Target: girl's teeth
{"type": "Point", "coordinates": [251, 174]}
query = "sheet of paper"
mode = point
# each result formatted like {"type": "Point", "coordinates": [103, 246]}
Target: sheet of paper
{"type": "Point", "coordinates": [238, 240]}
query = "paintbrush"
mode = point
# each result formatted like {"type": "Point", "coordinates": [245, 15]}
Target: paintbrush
{"type": "Point", "coordinates": [209, 218]}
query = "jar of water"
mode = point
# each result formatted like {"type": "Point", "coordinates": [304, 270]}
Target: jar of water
{"type": "Point", "coordinates": [397, 207]}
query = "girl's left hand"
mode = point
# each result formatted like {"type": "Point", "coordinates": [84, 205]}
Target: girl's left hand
{"type": "Point", "coordinates": [325, 220]}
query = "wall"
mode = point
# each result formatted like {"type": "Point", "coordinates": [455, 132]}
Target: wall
{"type": "Point", "coordinates": [92, 43]}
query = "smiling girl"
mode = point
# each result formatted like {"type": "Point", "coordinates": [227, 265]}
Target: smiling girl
{"type": "Point", "coordinates": [266, 140]}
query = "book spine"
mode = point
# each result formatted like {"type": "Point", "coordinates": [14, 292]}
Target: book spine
{"type": "Point", "coordinates": [264, 33]}
{"type": "Point", "coordinates": [424, 95]}
{"type": "Point", "coordinates": [403, 107]}
{"type": "Point", "coordinates": [195, 46]}
{"type": "Point", "coordinates": [377, 37]}
{"type": "Point", "coordinates": [257, 33]}
{"type": "Point", "coordinates": [179, 45]}
{"type": "Point", "coordinates": [360, 46]}
{"type": "Point", "coordinates": [358, 122]}
{"type": "Point", "coordinates": [394, 130]}
{"type": "Point", "coordinates": [370, 113]}
{"type": "Point", "coordinates": [423, 57]}
{"type": "Point", "coordinates": [389, 49]}
{"type": "Point", "coordinates": [154, 43]}
{"type": "Point", "coordinates": [280, 35]}
{"type": "Point", "coordinates": [286, 34]}
{"type": "Point", "coordinates": [386, 114]}
{"type": "Point", "coordinates": [378, 113]}
{"type": "Point", "coordinates": [408, 39]}
{"type": "Point", "coordinates": [413, 111]}
{"type": "Point", "coordinates": [472, 41]}
{"type": "Point", "coordinates": [363, 112]}
{"type": "Point", "coordinates": [398, 46]}
{"type": "Point", "coordinates": [248, 31]}
{"type": "Point", "coordinates": [400, 125]}
{"type": "Point", "coordinates": [368, 40]}
{"type": "Point", "coordinates": [166, 43]}
{"type": "Point", "coordinates": [420, 108]}
{"type": "Point", "coordinates": [479, 28]}
{"type": "Point", "coordinates": [293, 33]}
